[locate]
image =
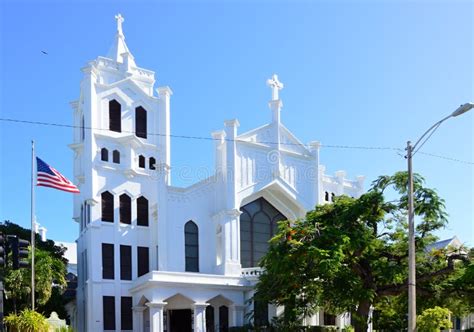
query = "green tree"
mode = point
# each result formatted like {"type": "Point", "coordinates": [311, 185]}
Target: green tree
{"type": "Point", "coordinates": [432, 320]}
{"type": "Point", "coordinates": [50, 276]}
{"type": "Point", "coordinates": [352, 254]}
{"type": "Point", "coordinates": [27, 321]}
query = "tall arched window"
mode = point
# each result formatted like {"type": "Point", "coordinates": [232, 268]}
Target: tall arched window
{"type": "Point", "coordinates": [125, 209]}
{"type": "Point", "coordinates": [191, 247]}
{"type": "Point", "coordinates": [142, 211]}
{"type": "Point", "coordinates": [152, 163]}
{"type": "Point", "coordinates": [116, 156]}
{"type": "Point", "coordinates": [333, 195]}
{"type": "Point", "coordinates": [104, 154]}
{"type": "Point", "coordinates": [115, 116]}
{"type": "Point", "coordinates": [140, 122]}
{"type": "Point", "coordinates": [326, 196]}
{"type": "Point", "coordinates": [141, 161]}
{"type": "Point", "coordinates": [107, 201]}
{"type": "Point", "coordinates": [258, 224]}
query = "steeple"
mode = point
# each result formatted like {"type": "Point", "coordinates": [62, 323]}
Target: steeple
{"type": "Point", "coordinates": [119, 50]}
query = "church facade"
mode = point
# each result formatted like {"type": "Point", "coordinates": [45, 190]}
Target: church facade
{"type": "Point", "coordinates": [156, 257]}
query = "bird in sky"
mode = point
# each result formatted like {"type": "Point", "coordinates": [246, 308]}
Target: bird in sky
{"type": "Point", "coordinates": [44, 52]}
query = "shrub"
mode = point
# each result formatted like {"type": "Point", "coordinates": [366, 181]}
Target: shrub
{"type": "Point", "coordinates": [27, 321]}
{"type": "Point", "coordinates": [431, 320]}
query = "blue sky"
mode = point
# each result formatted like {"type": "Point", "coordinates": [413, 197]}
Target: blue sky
{"type": "Point", "coordinates": [356, 73]}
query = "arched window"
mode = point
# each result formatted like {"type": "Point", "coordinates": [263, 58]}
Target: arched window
{"type": "Point", "coordinates": [152, 163]}
{"type": "Point", "coordinates": [326, 196]}
{"type": "Point", "coordinates": [210, 319]}
{"type": "Point", "coordinates": [258, 224]}
{"type": "Point", "coordinates": [116, 156]}
{"type": "Point", "coordinates": [107, 201]}
{"type": "Point", "coordinates": [223, 318]}
{"type": "Point", "coordinates": [333, 195]}
{"type": "Point", "coordinates": [142, 211]}
{"type": "Point", "coordinates": [140, 122]}
{"type": "Point", "coordinates": [104, 154]}
{"type": "Point", "coordinates": [125, 209]}
{"type": "Point", "coordinates": [115, 116]}
{"type": "Point", "coordinates": [191, 247]}
{"type": "Point", "coordinates": [141, 161]}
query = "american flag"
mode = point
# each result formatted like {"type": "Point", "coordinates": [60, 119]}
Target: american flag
{"type": "Point", "coordinates": [49, 177]}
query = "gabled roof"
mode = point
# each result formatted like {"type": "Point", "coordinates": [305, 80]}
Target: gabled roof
{"type": "Point", "coordinates": [444, 244]}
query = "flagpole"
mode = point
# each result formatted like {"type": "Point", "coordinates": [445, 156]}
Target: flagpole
{"type": "Point", "coordinates": [32, 225]}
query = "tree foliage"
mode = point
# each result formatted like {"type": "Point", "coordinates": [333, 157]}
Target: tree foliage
{"type": "Point", "coordinates": [434, 319]}
{"type": "Point", "coordinates": [352, 254]}
{"type": "Point", "coordinates": [27, 321]}
{"type": "Point", "coordinates": [50, 275]}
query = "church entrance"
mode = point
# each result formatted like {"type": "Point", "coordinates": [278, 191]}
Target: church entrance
{"type": "Point", "coordinates": [180, 320]}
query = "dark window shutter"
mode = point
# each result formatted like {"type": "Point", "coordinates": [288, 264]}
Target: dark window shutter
{"type": "Point", "coordinates": [115, 116]}
{"type": "Point", "coordinates": [140, 122]}
{"type": "Point", "coordinates": [107, 261]}
{"type": "Point", "coordinates": [142, 211]}
{"type": "Point", "coordinates": [107, 207]}
{"type": "Point", "coordinates": [125, 209]}
{"type": "Point", "coordinates": [223, 318]}
{"type": "Point", "coordinates": [104, 154]}
{"type": "Point", "coordinates": [141, 161]}
{"type": "Point", "coordinates": [126, 315]}
{"type": "Point", "coordinates": [108, 309]}
{"type": "Point", "coordinates": [125, 262]}
{"type": "Point", "coordinates": [143, 260]}
{"type": "Point", "coordinates": [191, 247]}
{"type": "Point", "coordinates": [116, 156]}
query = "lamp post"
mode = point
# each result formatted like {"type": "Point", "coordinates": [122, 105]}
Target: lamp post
{"type": "Point", "coordinates": [411, 150]}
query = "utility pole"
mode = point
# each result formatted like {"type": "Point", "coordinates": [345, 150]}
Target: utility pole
{"type": "Point", "coordinates": [411, 246]}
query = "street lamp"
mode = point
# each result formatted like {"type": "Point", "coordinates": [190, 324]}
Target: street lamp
{"type": "Point", "coordinates": [411, 150]}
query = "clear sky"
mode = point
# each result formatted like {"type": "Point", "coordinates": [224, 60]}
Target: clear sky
{"type": "Point", "coordinates": [356, 73]}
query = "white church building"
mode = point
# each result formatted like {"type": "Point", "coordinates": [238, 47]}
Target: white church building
{"type": "Point", "coordinates": [156, 257]}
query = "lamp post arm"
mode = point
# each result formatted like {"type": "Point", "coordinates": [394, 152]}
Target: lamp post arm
{"type": "Point", "coordinates": [433, 127]}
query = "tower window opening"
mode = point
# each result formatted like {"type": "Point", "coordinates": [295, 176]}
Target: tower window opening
{"type": "Point", "coordinates": [152, 163]}
{"type": "Point", "coordinates": [140, 122]}
{"type": "Point", "coordinates": [191, 247]}
{"type": "Point", "coordinates": [116, 157]}
{"type": "Point", "coordinates": [115, 116]}
{"type": "Point", "coordinates": [141, 161]}
{"type": "Point", "coordinates": [104, 154]}
{"type": "Point", "coordinates": [107, 207]}
{"type": "Point", "coordinates": [125, 209]}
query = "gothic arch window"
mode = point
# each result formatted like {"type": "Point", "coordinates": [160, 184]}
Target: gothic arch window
{"type": "Point", "coordinates": [107, 201]}
{"type": "Point", "coordinates": [333, 195]}
{"type": "Point", "coordinates": [258, 224]}
{"type": "Point", "coordinates": [140, 122]}
{"type": "Point", "coordinates": [104, 154]}
{"type": "Point", "coordinates": [115, 116]}
{"type": "Point", "coordinates": [152, 163]}
{"type": "Point", "coordinates": [125, 209]}
{"type": "Point", "coordinates": [326, 196]}
{"type": "Point", "coordinates": [191, 247]}
{"type": "Point", "coordinates": [116, 156]}
{"type": "Point", "coordinates": [141, 161]}
{"type": "Point", "coordinates": [142, 211]}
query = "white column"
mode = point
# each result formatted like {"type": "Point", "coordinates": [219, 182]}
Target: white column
{"type": "Point", "coordinates": [200, 317]}
{"type": "Point", "coordinates": [236, 315]}
{"type": "Point", "coordinates": [138, 318]}
{"type": "Point", "coordinates": [156, 316]}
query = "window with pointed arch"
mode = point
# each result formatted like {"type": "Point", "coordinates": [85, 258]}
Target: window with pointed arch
{"type": "Point", "coordinates": [142, 211]}
{"type": "Point", "coordinates": [116, 157]}
{"type": "Point", "coordinates": [152, 163]}
{"type": "Point", "coordinates": [141, 161]}
{"type": "Point", "coordinates": [326, 196]}
{"type": "Point", "coordinates": [107, 202]}
{"type": "Point", "coordinates": [104, 154]}
{"type": "Point", "coordinates": [125, 209]}
{"type": "Point", "coordinates": [115, 116]}
{"type": "Point", "coordinates": [140, 122]}
{"type": "Point", "coordinates": [258, 224]}
{"type": "Point", "coordinates": [191, 247]}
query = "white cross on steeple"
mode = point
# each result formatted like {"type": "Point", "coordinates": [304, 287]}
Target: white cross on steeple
{"type": "Point", "coordinates": [120, 20]}
{"type": "Point", "coordinates": [275, 85]}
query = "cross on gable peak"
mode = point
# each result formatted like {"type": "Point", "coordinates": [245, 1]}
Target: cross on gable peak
{"type": "Point", "coordinates": [275, 85]}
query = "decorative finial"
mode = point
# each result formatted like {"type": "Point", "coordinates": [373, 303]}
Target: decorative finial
{"type": "Point", "coordinates": [120, 20]}
{"type": "Point", "coordinates": [275, 85]}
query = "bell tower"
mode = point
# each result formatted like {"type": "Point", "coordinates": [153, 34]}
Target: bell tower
{"type": "Point", "coordinates": [121, 150]}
